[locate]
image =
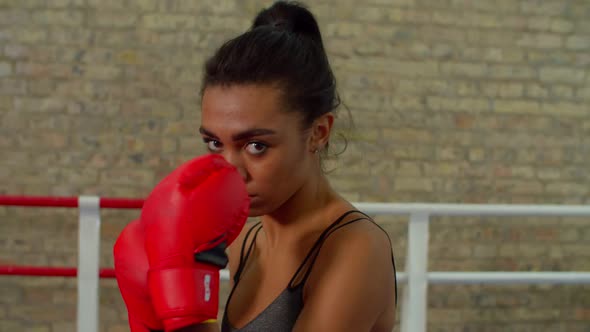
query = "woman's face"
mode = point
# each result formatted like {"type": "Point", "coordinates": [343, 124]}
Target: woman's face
{"type": "Point", "coordinates": [250, 127]}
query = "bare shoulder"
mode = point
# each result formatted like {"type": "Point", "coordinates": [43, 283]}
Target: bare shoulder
{"type": "Point", "coordinates": [357, 239]}
{"type": "Point", "coordinates": [359, 230]}
{"type": "Point", "coordinates": [352, 282]}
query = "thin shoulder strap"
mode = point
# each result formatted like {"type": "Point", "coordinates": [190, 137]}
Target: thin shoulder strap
{"type": "Point", "coordinates": [314, 253]}
{"type": "Point", "coordinates": [392, 258]}
{"type": "Point", "coordinates": [317, 244]}
{"type": "Point", "coordinates": [315, 250]}
{"type": "Point", "coordinates": [243, 260]}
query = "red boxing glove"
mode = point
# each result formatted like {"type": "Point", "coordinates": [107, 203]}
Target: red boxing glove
{"type": "Point", "coordinates": [190, 218]}
{"type": "Point", "coordinates": [131, 270]}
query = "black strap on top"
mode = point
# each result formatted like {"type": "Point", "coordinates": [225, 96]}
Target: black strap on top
{"type": "Point", "coordinates": [315, 250]}
{"type": "Point", "coordinates": [258, 227]}
{"type": "Point", "coordinates": [392, 258]}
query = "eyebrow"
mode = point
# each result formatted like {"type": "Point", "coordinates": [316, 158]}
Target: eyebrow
{"type": "Point", "coordinates": [243, 135]}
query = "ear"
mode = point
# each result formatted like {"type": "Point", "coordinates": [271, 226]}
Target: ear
{"type": "Point", "coordinates": [320, 131]}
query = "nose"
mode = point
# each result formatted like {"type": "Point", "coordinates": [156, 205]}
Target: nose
{"type": "Point", "coordinates": [237, 161]}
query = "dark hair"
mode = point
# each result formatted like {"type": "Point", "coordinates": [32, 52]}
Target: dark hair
{"type": "Point", "coordinates": [284, 47]}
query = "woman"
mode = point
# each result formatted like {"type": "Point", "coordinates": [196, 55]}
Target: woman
{"type": "Point", "coordinates": [312, 263]}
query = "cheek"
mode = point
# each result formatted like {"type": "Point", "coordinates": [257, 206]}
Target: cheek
{"type": "Point", "coordinates": [279, 174]}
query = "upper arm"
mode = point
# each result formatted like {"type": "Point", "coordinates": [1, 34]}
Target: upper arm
{"type": "Point", "coordinates": [352, 282]}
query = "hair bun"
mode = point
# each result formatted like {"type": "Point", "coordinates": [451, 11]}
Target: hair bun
{"type": "Point", "coordinates": [289, 16]}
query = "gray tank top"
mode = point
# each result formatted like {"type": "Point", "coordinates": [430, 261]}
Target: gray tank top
{"type": "Point", "coordinates": [282, 313]}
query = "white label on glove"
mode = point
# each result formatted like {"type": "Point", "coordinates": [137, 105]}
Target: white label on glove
{"type": "Point", "coordinates": [207, 283]}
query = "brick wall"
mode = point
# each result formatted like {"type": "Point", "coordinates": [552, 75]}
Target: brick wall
{"type": "Point", "coordinates": [468, 101]}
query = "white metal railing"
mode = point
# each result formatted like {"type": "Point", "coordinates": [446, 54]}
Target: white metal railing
{"type": "Point", "coordinates": [417, 276]}
{"type": "Point", "coordinates": [414, 299]}
{"type": "Point", "coordinates": [88, 263]}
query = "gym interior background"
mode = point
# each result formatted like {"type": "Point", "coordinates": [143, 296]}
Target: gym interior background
{"type": "Point", "coordinates": [452, 101]}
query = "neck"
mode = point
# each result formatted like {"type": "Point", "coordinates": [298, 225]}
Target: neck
{"type": "Point", "coordinates": [299, 216]}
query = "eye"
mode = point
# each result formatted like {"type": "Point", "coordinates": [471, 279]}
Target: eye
{"type": "Point", "coordinates": [213, 145]}
{"type": "Point", "coordinates": [256, 148]}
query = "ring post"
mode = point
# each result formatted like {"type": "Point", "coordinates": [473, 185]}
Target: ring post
{"type": "Point", "coordinates": [415, 294]}
{"type": "Point", "coordinates": [88, 263]}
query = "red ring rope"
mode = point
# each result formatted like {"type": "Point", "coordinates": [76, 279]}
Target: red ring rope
{"type": "Point", "coordinates": [42, 271]}
{"type": "Point", "coordinates": [69, 202]}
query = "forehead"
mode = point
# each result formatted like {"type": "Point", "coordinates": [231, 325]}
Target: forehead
{"type": "Point", "coordinates": [237, 107]}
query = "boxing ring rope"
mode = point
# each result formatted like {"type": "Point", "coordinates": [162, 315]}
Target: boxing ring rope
{"type": "Point", "coordinates": [417, 276]}
{"type": "Point", "coordinates": [36, 271]}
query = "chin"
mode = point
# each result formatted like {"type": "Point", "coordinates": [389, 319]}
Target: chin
{"type": "Point", "coordinates": [255, 213]}
{"type": "Point", "coordinates": [259, 208]}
